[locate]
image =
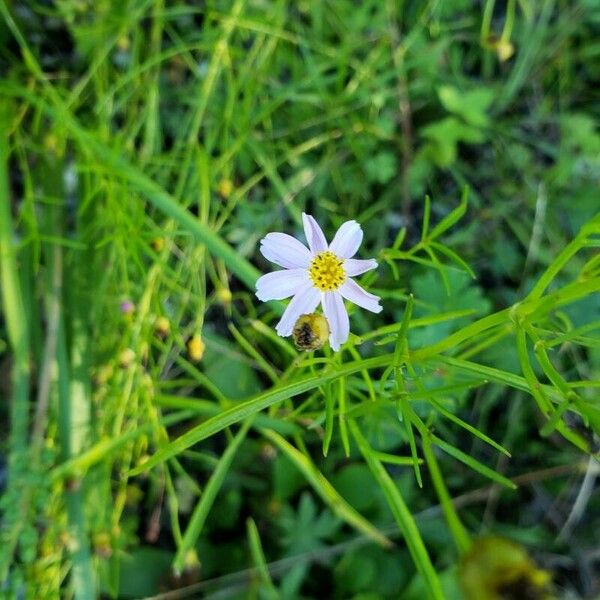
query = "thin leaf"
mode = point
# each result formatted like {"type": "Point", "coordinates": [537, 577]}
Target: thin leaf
{"type": "Point", "coordinates": [200, 513]}
{"type": "Point", "coordinates": [453, 256]}
{"type": "Point", "coordinates": [449, 220]}
{"type": "Point", "coordinates": [402, 515]}
{"type": "Point", "coordinates": [260, 563]}
{"type": "Point", "coordinates": [472, 463]}
{"type": "Point", "coordinates": [473, 430]}
{"type": "Point", "coordinates": [461, 537]}
{"type": "Point", "coordinates": [426, 215]}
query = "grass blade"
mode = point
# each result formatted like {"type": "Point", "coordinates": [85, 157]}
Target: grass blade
{"type": "Point", "coordinates": [461, 537]}
{"type": "Point", "coordinates": [449, 220]}
{"type": "Point", "coordinates": [258, 558]}
{"type": "Point", "coordinates": [472, 463]}
{"type": "Point", "coordinates": [198, 518]}
{"type": "Point", "coordinates": [402, 515]}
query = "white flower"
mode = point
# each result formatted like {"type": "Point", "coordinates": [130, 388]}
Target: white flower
{"type": "Point", "coordinates": [319, 275]}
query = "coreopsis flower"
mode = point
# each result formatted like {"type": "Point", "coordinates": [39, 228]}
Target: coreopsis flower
{"type": "Point", "coordinates": [320, 274]}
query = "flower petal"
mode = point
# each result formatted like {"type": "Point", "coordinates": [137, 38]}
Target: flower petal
{"type": "Point", "coordinates": [356, 266]}
{"type": "Point", "coordinates": [285, 251]}
{"type": "Point", "coordinates": [353, 292]}
{"type": "Point", "coordinates": [347, 239]}
{"type": "Point", "coordinates": [280, 284]}
{"type": "Point", "coordinates": [305, 301]}
{"type": "Point", "coordinates": [337, 317]}
{"type": "Point", "coordinates": [314, 235]}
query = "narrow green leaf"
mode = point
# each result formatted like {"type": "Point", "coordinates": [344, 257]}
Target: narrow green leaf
{"type": "Point", "coordinates": [490, 373]}
{"type": "Point", "coordinates": [342, 416]}
{"type": "Point", "coordinates": [260, 563]}
{"type": "Point", "coordinates": [17, 330]}
{"type": "Point", "coordinates": [105, 447]}
{"type": "Point", "coordinates": [401, 342]}
{"type": "Point", "coordinates": [198, 518]}
{"type": "Point", "coordinates": [449, 220]}
{"type": "Point", "coordinates": [461, 537]}
{"type": "Point", "coordinates": [534, 385]}
{"type": "Point", "coordinates": [13, 305]}
{"type": "Point", "coordinates": [402, 515]}
{"type": "Point", "coordinates": [329, 413]}
{"type": "Point", "coordinates": [453, 256]}
{"type": "Point", "coordinates": [399, 239]}
{"type": "Point", "coordinates": [254, 353]}
{"type": "Point", "coordinates": [211, 408]}
{"type": "Point", "coordinates": [558, 264]}
{"type": "Point", "coordinates": [472, 463]}
{"type": "Point", "coordinates": [426, 215]}
{"type": "Point", "coordinates": [473, 430]}
{"type": "Point", "coordinates": [441, 268]}
{"type": "Point", "coordinates": [415, 323]}
{"type": "Point", "coordinates": [392, 459]}
{"type": "Point", "coordinates": [404, 410]}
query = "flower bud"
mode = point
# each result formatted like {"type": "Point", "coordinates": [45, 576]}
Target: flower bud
{"type": "Point", "coordinates": [157, 244]}
{"type": "Point", "coordinates": [223, 296]}
{"type": "Point", "coordinates": [127, 307]}
{"type": "Point", "coordinates": [195, 348]}
{"type": "Point", "coordinates": [162, 326]}
{"type": "Point", "coordinates": [225, 188]}
{"type": "Point", "coordinates": [126, 357]}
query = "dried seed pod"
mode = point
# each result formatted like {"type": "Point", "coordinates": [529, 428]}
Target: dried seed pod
{"type": "Point", "coordinates": [310, 332]}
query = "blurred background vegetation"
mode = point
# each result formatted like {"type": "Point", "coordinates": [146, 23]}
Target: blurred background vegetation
{"type": "Point", "coordinates": [146, 146]}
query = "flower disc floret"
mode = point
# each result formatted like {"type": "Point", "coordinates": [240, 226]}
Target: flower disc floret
{"type": "Point", "coordinates": [326, 271]}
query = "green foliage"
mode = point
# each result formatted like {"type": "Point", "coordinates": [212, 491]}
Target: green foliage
{"type": "Point", "coordinates": [145, 149]}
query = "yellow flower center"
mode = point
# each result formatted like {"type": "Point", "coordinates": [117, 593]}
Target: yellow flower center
{"type": "Point", "coordinates": [326, 271]}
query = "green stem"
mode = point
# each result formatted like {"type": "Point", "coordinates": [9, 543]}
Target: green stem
{"type": "Point", "coordinates": [459, 533]}
{"type": "Point", "coordinates": [18, 337]}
